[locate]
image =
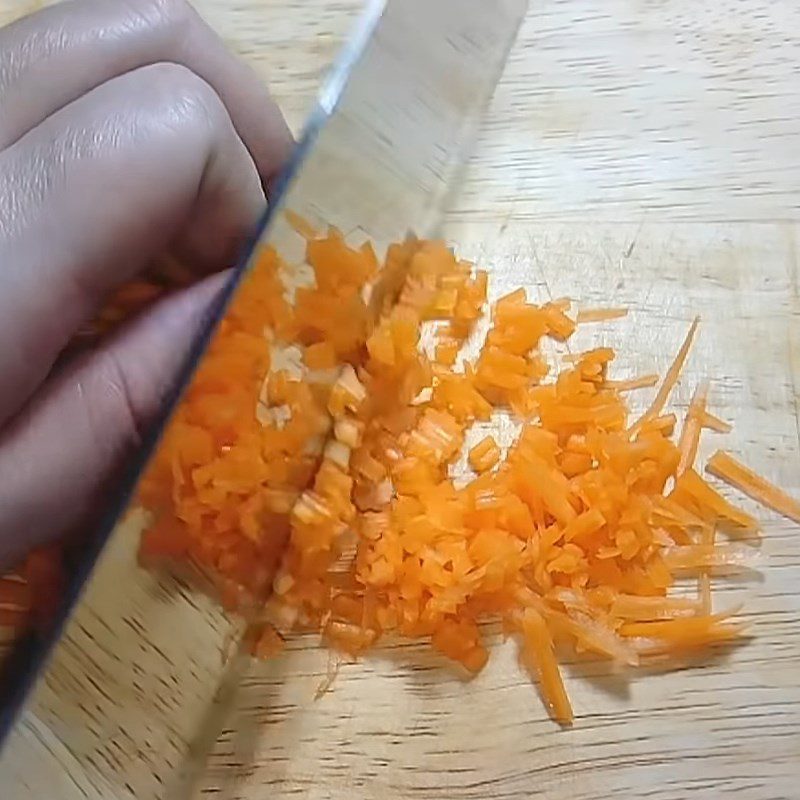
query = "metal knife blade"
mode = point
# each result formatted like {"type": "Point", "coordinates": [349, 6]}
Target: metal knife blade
{"type": "Point", "coordinates": [133, 667]}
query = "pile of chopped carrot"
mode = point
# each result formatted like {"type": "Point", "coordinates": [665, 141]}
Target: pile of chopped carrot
{"type": "Point", "coordinates": [345, 513]}
{"type": "Point", "coordinates": [356, 491]}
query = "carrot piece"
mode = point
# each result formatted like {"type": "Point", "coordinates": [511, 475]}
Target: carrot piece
{"type": "Point", "coordinates": [683, 633]}
{"type": "Point", "coordinates": [321, 355]}
{"type": "Point", "coordinates": [600, 314]}
{"type": "Point", "coordinates": [692, 489]}
{"type": "Point", "coordinates": [644, 609]}
{"type": "Point", "coordinates": [708, 540]}
{"type": "Point", "coordinates": [692, 425]}
{"type": "Point", "coordinates": [715, 423]}
{"type": "Point", "coordinates": [725, 467]}
{"type": "Point", "coordinates": [670, 379]}
{"type": "Point", "coordinates": [540, 659]}
{"type": "Point", "coordinates": [484, 455]}
{"type": "Point", "coordinates": [705, 556]}
{"type": "Point", "coordinates": [583, 526]}
{"type": "Point", "coordinates": [642, 382]}
{"type": "Point", "coordinates": [300, 224]}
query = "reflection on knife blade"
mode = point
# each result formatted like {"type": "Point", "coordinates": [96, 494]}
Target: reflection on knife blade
{"type": "Point", "coordinates": [141, 657]}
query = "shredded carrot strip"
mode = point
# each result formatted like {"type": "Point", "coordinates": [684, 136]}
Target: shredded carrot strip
{"type": "Point", "coordinates": [539, 656]}
{"type": "Point", "coordinates": [670, 379]}
{"type": "Point", "coordinates": [300, 225]}
{"type": "Point", "coordinates": [642, 382]}
{"type": "Point", "coordinates": [705, 556]}
{"type": "Point", "coordinates": [697, 495]}
{"type": "Point", "coordinates": [725, 467]}
{"type": "Point", "coordinates": [675, 635]}
{"type": "Point", "coordinates": [708, 540]}
{"type": "Point", "coordinates": [692, 426]}
{"type": "Point", "coordinates": [600, 314]}
{"type": "Point", "coordinates": [715, 423]}
{"type": "Point", "coordinates": [644, 609]}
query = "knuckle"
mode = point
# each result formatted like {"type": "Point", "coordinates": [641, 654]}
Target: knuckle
{"type": "Point", "coordinates": [188, 99]}
{"type": "Point", "coordinates": [170, 15]}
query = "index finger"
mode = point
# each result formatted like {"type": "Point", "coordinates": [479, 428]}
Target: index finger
{"type": "Point", "coordinates": [53, 57]}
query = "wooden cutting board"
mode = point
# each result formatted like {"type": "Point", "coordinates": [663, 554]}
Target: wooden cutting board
{"type": "Point", "coordinates": [641, 153]}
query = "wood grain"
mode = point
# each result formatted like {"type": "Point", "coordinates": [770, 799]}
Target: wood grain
{"type": "Point", "coordinates": [638, 152]}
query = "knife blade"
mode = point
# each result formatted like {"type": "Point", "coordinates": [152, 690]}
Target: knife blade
{"type": "Point", "coordinates": [126, 693]}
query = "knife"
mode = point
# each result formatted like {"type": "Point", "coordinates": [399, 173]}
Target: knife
{"type": "Point", "coordinates": [124, 695]}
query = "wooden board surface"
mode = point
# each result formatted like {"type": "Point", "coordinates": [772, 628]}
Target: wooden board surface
{"type": "Point", "coordinates": [641, 152]}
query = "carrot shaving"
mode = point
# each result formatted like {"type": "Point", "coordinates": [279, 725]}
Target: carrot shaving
{"type": "Point", "coordinates": [645, 609]}
{"type": "Point", "coordinates": [714, 423]}
{"type": "Point", "coordinates": [706, 556]}
{"type": "Point", "coordinates": [676, 635]}
{"type": "Point", "coordinates": [600, 314]}
{"type": "Point", "coordinates": [725, 467]}
{"type": "Point", "coordinates": [300, 225]}
{"type": "Point", "coordinates": [692, 426]}
{"type": "Point", "coordinates": [642, 382]}
{"type": "Point", "coordinates": [698, 496]}
{"type": "Point", "coordinates": [708, 540]}
{"type": "Point", "coordinates": [539, 657]}
{"type": "Point", "coordinates": [670, 379]}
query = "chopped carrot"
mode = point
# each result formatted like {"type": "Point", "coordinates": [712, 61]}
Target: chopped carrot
{"type": "Point", "coordinates": [644, 609]}
{"type": "Point", "coordinates": [642, 382]}
{"type": "Point", "coordinates": [692, 426]}
{"type": "Point", "coordinates": [694, 493]}
{"type": "Point", "coordinates": [715, 423]}
{"type": "Point", "coordinates": [300, 225]}
{"type": "Point", "coordinates": [684, 633]}
{"type": "Point", "coordinates": [600, 314]}
{"type": "Point", "coordinates": [705, 556]}
{"type": "Point", "coordinates": [321, 355]}
{"type": "Point", "coordinates": [539, 657]}
{"type": "Point", "coordinates": [725, 467]}
{"type": "Point", "coordinates": [708, 539]}
{"type": "Point", "coordinates": [484, 455]}
{"type": "Point", "coordinates": [671, 378]}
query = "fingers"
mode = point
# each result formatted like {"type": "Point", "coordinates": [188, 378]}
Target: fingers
{"type": "Point", "coordinates": [94, 192]}
{"type": "Point", "coordinates": [59, 458]}
{"type": "Point", "coordinates": [53, 57]}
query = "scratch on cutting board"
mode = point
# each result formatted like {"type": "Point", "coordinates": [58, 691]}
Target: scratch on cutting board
{"type": "Point", "coordinates": [628, 252]}
{"type": "Point", "coordinates": [540, 267]}
{"type": "Point", "coordinates": [795, 300]}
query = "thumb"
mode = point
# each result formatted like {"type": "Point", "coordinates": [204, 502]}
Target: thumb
{"type": "Point", "coordinates": [60, 456]}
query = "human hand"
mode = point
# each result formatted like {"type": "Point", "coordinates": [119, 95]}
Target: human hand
{"type": "Point", "coordinates": [126, 128]}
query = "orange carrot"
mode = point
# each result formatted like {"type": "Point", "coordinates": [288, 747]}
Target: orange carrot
{"type": "Point", "coordinates": [484, 455]}
{"type": "Point", "coordinates": [642, 382]}
{"type": "Point", "coordinates": [600, 314]}
{"type": "Point", "coordinates": [692, 426]}
{"type": "Point", "coordinates": [540, 658]}
{"type": "Point", "coordinates": [683, 633]}
{"type": "Point", "coordinates": [705, 556]}
{"type": "Point", "coordinates": [715, 423]}
{"type": "Point", "coordinates": [692, 491]}
{"type": "Point", "coordinates": [725, 467]}
{"type": "Point", "coordinates": [645, 609]}
{"type": "Point", "coordinates": [670, 379]}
